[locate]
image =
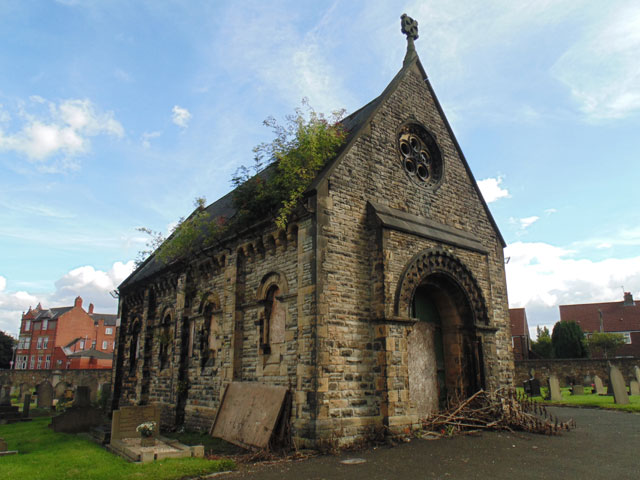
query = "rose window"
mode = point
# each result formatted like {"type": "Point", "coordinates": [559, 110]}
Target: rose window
{"type": "Point", "coordinates": [420, 155]}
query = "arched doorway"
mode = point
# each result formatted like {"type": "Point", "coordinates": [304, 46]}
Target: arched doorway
{"type": "Point", "coordinates": [444, 350]}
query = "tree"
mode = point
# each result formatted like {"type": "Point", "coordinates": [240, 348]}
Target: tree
{"type": "Point", "coordinates": [542, 347]}
{"type": "Point", "coordinates": [607, 343]}
{"type": "Point", "coordinates": [6, 349]}
{"type": "Point", "coordinates": [568, 340]}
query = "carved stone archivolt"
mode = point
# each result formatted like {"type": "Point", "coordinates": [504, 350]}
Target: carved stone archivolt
{"type": "Point", "coordinates": [437, 261]}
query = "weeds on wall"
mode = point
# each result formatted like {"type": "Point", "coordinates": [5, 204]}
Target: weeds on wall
{"type": "Point", "coordinates": [271, 188]}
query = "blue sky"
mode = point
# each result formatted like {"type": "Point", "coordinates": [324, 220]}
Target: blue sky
{"type": "Point", "coordinates": [115, 115]}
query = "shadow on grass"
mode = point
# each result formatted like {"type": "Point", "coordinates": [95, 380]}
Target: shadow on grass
{"type": "Point", "coordinates": [46, 455]}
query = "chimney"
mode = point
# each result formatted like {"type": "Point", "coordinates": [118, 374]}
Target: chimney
{"type": "Point", "coordinates": [91, 309]}
{"type": "Point", "coordinates": [628, 299]}
{"type": "Point", "coordinates": [78, 302]}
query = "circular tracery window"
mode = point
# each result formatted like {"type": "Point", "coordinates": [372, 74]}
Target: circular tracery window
{"type": "Point", "coordinates": [420, 155]}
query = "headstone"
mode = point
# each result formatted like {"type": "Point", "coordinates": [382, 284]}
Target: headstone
{"type": "Point", "coordinates": [618, 385]}
{"type": "Point", "coordinates": [634, 387]}
{"type": "Point", "coordinates": [5, 395]}
{"type": "Point", "coordinates": [534, 384]}
{"type": "Point", "coordinates": [82, 397]}
{"type": "Point", "coordinates": [125, 421]}
{"type": "Point", "coordinates": [554, 389]}
{"type": "Point", "coordinates": [609, 387]}
{"type": "Point", "coordinates": [597, 381]}
{"type": "Point", "coordinates": [93, 391]}
{"type": "Point", "coordinates": [44, 391]}
{"type": "Point", "coordinates": [636, 371]}
{"type": "Point", "coordinates": [3, 445]}
{"type": "Point", "coordinates": [586, 381]}
{"type": "Point", "coordinates": [77, 419]}
{"type": "Point", "coordinates": [60, 388]}
{"type": "Point", "coordinates": [577, 390]}
{"type": "Point", "coordinates": [26, 405]}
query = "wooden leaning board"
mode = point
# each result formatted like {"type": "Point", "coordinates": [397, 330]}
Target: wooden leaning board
{"type": "Point", "coordinates": [248, 413]}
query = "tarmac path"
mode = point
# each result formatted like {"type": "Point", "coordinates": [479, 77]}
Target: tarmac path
{"type": "Point", "coordinates": [604, 445]}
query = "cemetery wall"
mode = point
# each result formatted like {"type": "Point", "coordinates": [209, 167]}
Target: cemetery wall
{"type": "Point", "coordinates": [73, 378]}
{"type": "Point", "coordinates": [577, 368]}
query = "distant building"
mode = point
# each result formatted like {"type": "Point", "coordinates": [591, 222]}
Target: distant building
{"type": "Point", "coordinates": [611, 317]}
{"type": "Point", "coordinates": [65, 337]}
{"type": "Point", "coordinates": [520, 339]}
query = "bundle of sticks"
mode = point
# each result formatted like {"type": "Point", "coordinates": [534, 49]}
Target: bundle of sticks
{"type": "Point", "coordinates": [503, 409]}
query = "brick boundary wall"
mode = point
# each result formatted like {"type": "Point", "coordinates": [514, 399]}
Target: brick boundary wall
{"type": "Point", "coordinates": [575, 368]}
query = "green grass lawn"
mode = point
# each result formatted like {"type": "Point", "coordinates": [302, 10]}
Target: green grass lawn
{"type": "Point", "coordinates": [589, 400]}
{"type": "Point", "coordinates": [44, 454]}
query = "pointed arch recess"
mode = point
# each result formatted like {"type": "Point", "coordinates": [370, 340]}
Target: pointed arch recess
{"type": "Point", "coordinates": [435, 260]}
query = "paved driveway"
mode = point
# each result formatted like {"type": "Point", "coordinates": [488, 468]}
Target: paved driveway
{"type": "Point", "coordinates": [604, 445]}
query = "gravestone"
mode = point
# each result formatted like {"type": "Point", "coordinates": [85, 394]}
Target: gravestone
{"type": "Point", "coordinates": [554, 389]}
{"type": "Point", "coordinates": [3, 445]}
{"type": "Point", "coordinates": [125, 421]}
{"type": "Point", "coordinates": [5, 395]}
{"type": "Point", "coordinates": [93, 391]}
{"type": "Point", "coordinates": [636, 371]}
{"type": "Point", "coordinates": [44, 391]}
{"type": "Point", "coordinates": [60, 388]}
{"type": "Point", "coordinates": [577, 390]}
{"type": "Point", "coordinates": [634, 387]}
{"type": "Point", "coordinates": [597, 381]}
{"type": "Point", "coordinates": [587, 381]}
{"type": "Point", "coordinates": [532, 387]}
{"type": "Point", "coordinates": [82, 397]}
{"type": "Point", "coordinates": [616, 380]}
{"type": "Point", "coordinates": [26, 405]}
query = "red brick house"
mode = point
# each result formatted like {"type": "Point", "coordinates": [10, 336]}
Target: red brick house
{"type": "Point", "coordinates": [611, 317]}
{"type": "Point", "coordinates": [65, 337]}
{"type": "Point", "coordinates": [520, 338]}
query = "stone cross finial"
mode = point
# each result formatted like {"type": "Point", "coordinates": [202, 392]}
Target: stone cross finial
{"type": "Point", "coordinates": [409, 27]}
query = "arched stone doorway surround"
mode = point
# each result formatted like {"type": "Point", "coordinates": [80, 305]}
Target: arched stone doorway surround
{"type": "Point", "coordinates": [444, 350]}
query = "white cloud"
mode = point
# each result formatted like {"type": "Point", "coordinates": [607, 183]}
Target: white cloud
{"type": "Point", "coordinates": [147, 136]}
{"type": "Point", "coordinates": [63, 130]}
{"type": "Point", "coordinates": [602, 69]}
{"type": "Point", "coordinates": [528, 221]}
{"type": "Point", "coordinates": [180, 116]}
{"type": "Point", "coordinates": [491, 189]}
{"type": "Point", "coordinates": [541, 276]}
{"type": "Point", "coordinates": [91, 284]}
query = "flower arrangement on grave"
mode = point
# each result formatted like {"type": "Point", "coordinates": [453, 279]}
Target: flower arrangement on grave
{"type": "Point", "coordinates": [146, 429]}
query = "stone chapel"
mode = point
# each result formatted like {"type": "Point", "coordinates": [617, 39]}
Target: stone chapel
{"type": "Point", "coordinates": [385, 297]}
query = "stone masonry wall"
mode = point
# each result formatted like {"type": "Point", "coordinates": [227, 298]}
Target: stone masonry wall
{"type": "Point", "coordinates": [231, 281]}
{"type": "Point", "coordinates": [576, 369]}
{"type": "Point", "coordinates": [350, 374]}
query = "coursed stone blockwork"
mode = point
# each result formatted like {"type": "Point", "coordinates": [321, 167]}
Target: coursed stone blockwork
{"type": "Point", "coordinates": [330, 307]}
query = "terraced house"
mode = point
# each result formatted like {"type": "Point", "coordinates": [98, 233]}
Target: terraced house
{"type": "Point", "coordinates": [384, 296]}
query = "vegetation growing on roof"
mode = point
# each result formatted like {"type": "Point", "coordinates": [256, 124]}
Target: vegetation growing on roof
{"type": "Point", "coordinates": [271, 188]}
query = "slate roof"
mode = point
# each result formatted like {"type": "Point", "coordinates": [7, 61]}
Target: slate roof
{"type": "Point", "coordinates": [519, 324]}
{"type": "Point", "coordinates": [52, 313]}
{"type": "Point", "coordinates": [615, 315]}
{"type": "Point", "coordinates": [92, 353]}
{"type": "Point", "coordinates": [108, 319]}
{"type": "Point", "coordinates": [354, 125]}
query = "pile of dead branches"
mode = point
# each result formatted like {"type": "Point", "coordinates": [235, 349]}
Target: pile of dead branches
{"type": "Point", "coordinates": [503, 409]}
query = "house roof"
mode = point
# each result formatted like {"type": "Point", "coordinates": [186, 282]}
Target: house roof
{"type": "Point", "coordinates": [354, 125]}
{"type": "Point", "coordinates": [616, 316]}
{"type": "Point", "coordinates": [92, 353]}
{"type": "Point", "coordinates": [52, 313]}
{"type": "Point", "coordinates": [519, 324]}
{"type": "Point", "coordinates": [108, 319]}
